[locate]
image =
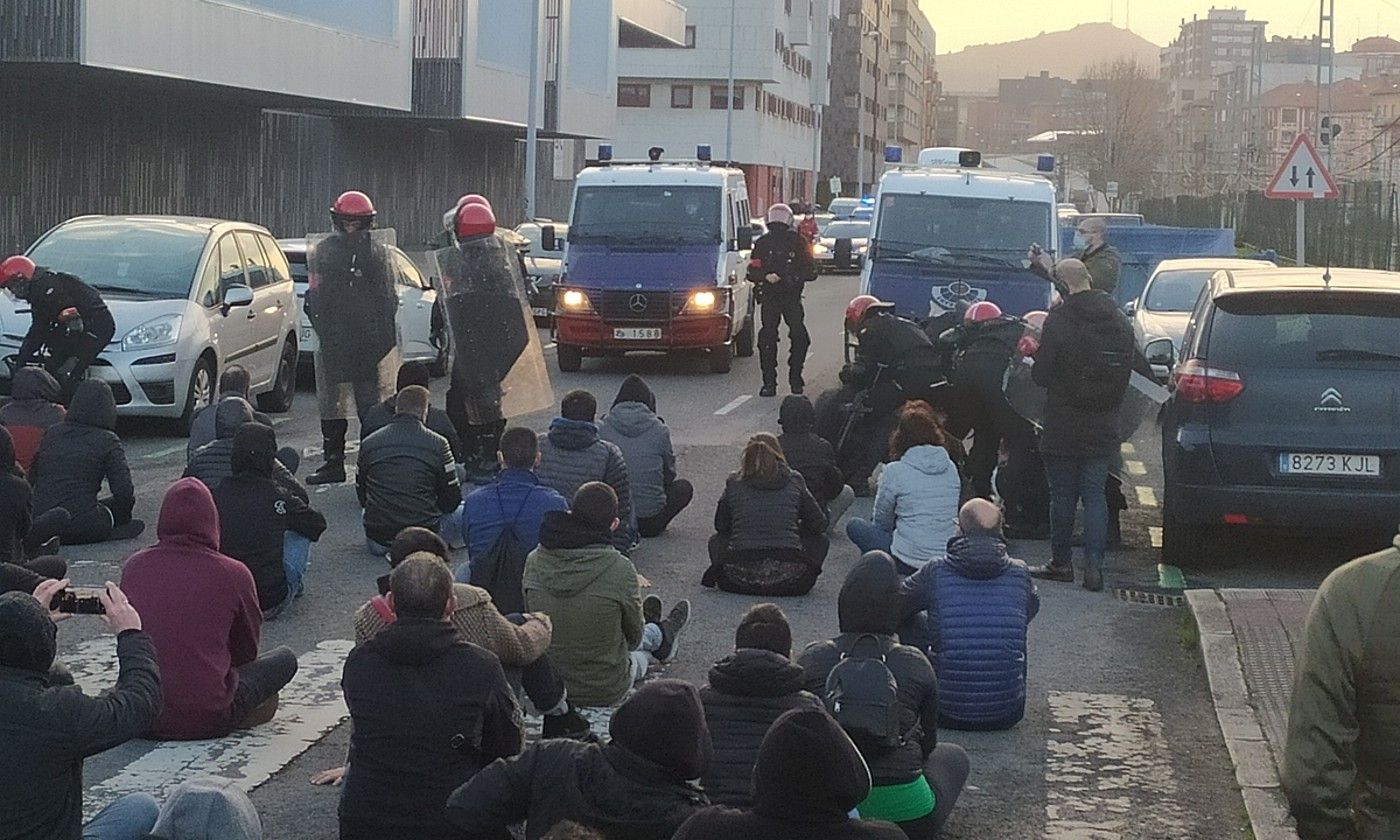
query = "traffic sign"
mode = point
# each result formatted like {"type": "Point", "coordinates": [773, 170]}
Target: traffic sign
{"type": "Point", "coordinates": [1302, 175]}
{"type": "Point", "coordinates": [1112, 190]}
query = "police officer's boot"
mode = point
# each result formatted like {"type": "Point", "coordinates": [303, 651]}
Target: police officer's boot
{"type": "Point", "coordinates": [333, 470]}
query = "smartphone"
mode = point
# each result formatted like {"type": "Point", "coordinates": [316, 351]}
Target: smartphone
{"type": "Point", "coordinates": [75, 603]}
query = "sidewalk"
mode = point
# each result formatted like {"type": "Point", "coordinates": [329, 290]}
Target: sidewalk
{"type": "Point", "coordinates": [1250, 640]}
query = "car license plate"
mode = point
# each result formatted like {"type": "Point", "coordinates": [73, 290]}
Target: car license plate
{"type": "Point", "coordinates": [1324, 463]}
{"type": "Point", "coordinates": [637, 333]}
{"type": "Point", "coordinates": [305, 333]}
{"type": "Point", "coordinates": [541, 311]}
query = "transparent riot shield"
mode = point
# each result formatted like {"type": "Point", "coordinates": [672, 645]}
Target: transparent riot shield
{"type": "Point", "coordinates": [498, 362]}
{"type": "Point", "coordinates": [352, 304]}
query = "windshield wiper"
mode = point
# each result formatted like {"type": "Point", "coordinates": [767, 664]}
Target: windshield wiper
{"type": "Point", "coordinates": [1348, 354]}
{"type": "Point", "coordinates": [125, 290]}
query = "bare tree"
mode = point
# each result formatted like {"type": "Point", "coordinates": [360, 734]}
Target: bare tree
{"type": "Point", "coordinates": [1124, 131]}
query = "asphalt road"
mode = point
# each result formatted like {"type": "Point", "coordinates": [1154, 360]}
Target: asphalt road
{"type": "Point", "coordinates": [1119, 738]}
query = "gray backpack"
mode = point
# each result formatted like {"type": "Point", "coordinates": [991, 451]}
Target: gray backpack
{"type": "Point", "coordinates": [863, 696]}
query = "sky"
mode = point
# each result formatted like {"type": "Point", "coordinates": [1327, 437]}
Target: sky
{"type": "Point", "coordinates": [959, 25]}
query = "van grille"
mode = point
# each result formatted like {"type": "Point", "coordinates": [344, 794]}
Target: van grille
{"type": "Point", "coordinates": [632, 305]}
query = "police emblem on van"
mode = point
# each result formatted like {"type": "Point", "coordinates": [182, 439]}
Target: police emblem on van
{"type": "Point", "coordinates": [947, 297]}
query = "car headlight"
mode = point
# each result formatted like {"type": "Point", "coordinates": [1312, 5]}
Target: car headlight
{"type": "Point", "coordinates": [157, 332]}
{"type": "Point", "coordinates": [702, 300]}
{"type": "Point", "coordinates": [574, 300]}
{"type": "Point", "coordinates": [821, 248]}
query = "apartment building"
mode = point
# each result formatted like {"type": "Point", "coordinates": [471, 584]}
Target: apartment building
{"type": "Point", "coordinates": [912, 101]}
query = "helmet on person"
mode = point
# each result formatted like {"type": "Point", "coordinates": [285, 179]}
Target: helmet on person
{"type": "Point", "coordinates": [18, 267]}
{"type": "Point", "coordinates": [473, 198]}
{"type": "Point", "coordinates": [780, 214]}
{"type": "Point", "coordinates": [981, 312]}
{"type": "Point", "coordinates": [1035, 318]}
{"type": "Point", "coordinates": [862, 305]}
{"type": "Point", "coordinates": [353, 205]}
{"type": "Point", "coordinates": [474, 220]}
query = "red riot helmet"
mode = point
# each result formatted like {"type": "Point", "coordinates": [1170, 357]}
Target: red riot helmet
{"type": "Point", "coordinates": [473, 198]}
{"type": "Point", "coordinates": [862, 305]}
{"type": "Point", "coordinates": [981, 311]}
{"type": "Point", "coordinates": [474, 220]}
{"type": "Point", "coordinates": [18, 267]}
{"type": "Point", "coordinates": [353, 205]}
{"type": "Point", "coordinates": [1035, 318]}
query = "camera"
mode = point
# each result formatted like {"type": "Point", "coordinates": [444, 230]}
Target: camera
{"type": "Point", "coordinates": [69, 601]}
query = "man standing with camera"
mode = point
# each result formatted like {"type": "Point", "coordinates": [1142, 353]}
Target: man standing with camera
{"type": "Point", "coordinates": [781, 264]}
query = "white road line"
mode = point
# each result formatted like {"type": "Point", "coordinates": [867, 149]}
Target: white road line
{"type": "Point", "coordinates": [1154, 533]}
{"type": "Point", "coordinates": [161, 453]}
{"type": "Point", "coordinates": [733, 404]}
{"type": "Point", "coordinates": [1129, 449]}
{"type": "Point", "coordinates": [1147, 497]}
{"type": "Point", "coordinates": [1108, 770]}
{"type": "Point", "coordinates": [309, 707]}
{"type": "Point", "coordinates": [1135, 467]}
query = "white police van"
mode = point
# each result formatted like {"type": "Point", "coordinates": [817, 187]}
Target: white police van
{"type": "Point", "coordinates": [949, 231]}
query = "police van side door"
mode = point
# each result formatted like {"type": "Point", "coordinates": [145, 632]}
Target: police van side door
{"type": "Point", "coordinates": [735, 259]}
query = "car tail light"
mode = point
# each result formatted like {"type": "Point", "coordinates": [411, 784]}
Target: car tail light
{"type": "Point", "coordinates": [1234, 519]}
{"type": "Point", "coordinates": [1197, 383]}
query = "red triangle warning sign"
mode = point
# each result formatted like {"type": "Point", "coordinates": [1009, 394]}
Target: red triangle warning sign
{"type": "Point", "coordinates": [1302, 174]}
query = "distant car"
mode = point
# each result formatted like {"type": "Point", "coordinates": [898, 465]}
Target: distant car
{"type": "Point", "coordinates": [842, 246]}
{"type": "Point", "coordinates": [1283, 406]}
{"type": "Point", "coordinates": [823, 219]}
{"type": "Point", "coordinates": [190, 296]}
{"type": "Point", "coordinates": [1165, 304]}
{"type": "Point", "coordinates": [422, 324]}
{"type": "Point", "coordinates": [841, 208]}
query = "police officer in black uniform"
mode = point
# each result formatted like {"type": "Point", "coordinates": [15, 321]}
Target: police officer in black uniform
{"type": "Point", "coordinates": [780, 266]}
{"type": "Point", "coordinates": [985, 346]}
{"type": "Point", "coordinates": [69, 317]}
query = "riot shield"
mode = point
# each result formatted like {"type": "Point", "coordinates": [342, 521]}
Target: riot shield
{"type": "Point", "coordinates": [352, 304]}
{"type": "Point", "coordinates": [498, 362]}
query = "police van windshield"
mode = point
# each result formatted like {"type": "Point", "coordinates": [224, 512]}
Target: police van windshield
{"type": "Point", "coordinates": [942, 228]}
{"type": "Point", "coordinates": [644, 213]}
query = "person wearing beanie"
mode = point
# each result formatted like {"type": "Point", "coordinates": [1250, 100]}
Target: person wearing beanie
{"type": "Point", "coordinates": [807, 779]}
{"type": "Point", "coordinates": [779, 267]}
{"type": "Point", "coordinates": [208, 809]}
{"type": "Point", "coordinates": [917, 783]}
{"type": "Point", "coordinates": [658, 496]}
{"type": "Point", "coordinates": [261, 524]}
{"type": "Point", "coordinates": [641, 785]}
{"type": "Point", "coordinates": [748, 690]}
{"type": "Point", "coordinates": [49, 729]}
{"type": "Point", "coordinates": [574, 453]}
{"type": "Point", "coordinates": [813, 456]}
{"type": "Point", "coordinates": [414, 373]}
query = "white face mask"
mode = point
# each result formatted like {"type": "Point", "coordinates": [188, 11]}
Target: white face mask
{"type": "Point", "coordinates": [1079, 242]}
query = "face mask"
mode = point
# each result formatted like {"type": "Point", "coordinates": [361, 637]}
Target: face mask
{"type": "Point", "coordinates": [1079, 241]}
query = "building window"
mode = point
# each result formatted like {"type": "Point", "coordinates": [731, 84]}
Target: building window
{"type": "Point", "coordinates": [690, 37]}
{"type": "Point", "coordinates": [717, 94]}
{"type": "Point", "coordinates": [1290, 116]}
{"type": "Point", "coordinates": [682, 96]}
{"type": "Point", "coordinates": [633, 95]}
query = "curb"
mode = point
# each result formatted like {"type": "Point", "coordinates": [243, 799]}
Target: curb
{"type": "Point", "coordinates": [1255, 768]}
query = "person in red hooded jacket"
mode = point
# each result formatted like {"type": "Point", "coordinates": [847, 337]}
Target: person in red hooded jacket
{"type": "Point", "coordinates": [201, 609]}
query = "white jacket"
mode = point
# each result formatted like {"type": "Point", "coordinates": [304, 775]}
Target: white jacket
{"type": "Point", "coordinates": [917, 499]}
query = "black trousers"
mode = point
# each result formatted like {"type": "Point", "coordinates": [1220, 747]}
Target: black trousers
{"type": "Point", "coordinates": [333, 432]}
{"type": "Point", "coordinates": [260, 679]}
{"type": "Point", "coordinates": [542, 683]}
{"type": "Point", "coordinates": [72, 354]}
{"type": "Point", "coordinates": [946, 769]}
{"type": "Point", "coordinates": [679, 493]}
{"type": "Point", "coordinates": [772, 311]}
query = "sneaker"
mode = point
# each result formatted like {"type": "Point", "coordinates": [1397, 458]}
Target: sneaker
{"type": "Point", "coordinates": [128, 530]}
{"type": "Point", "coordinates": [671, 628]}
{"type": "Point", "coordinates": [768, 391]}
{"type": "Point", "coordinates": [570, 725]}
{"type": "Point", "coordinates": [1053, 571]}
{"type": "Point", "coordinates": [1093, 579]}
{"type": "Point", "coordinates": [651, 609]}
{"type": "Point", "coordinates": [331, 472]}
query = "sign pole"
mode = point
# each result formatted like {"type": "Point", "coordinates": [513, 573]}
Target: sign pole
{"type": "Point", "coordinates": [1300, 231]}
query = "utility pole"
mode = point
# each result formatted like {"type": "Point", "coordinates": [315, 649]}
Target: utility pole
{"type": "Point", "coordinates": [532, 129]}
{"type": "Point", "coordinates": [729, 103]}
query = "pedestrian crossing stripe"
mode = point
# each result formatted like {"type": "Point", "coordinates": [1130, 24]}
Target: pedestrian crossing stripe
{"type": "Point", "coordinates": [1135, 467]}
{"type": "Point", "coordinates": [1147, 497]}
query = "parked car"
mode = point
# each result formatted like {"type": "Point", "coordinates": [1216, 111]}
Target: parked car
{"type": "Point", "coordinates": [842, 246]}
{"type": "Point", "coordinates": [189, 296]}
{"type": "Point", "coordinates": [1283, 406]}
{"type": "Point", "coordinates": [1166, 301]}
{"type": "Point", "coordinates": [421, 321]}
{"type": "Point", "coordinates": [841, 208]}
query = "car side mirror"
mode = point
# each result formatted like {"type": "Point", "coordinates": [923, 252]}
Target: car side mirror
{"type": "Point", "coordinates": [237, 296]}
{"type": "Point", "coordinates": [1130, 308]}
{"type": "Point", "coordinates": [549, 239]}
{"type": "Point", "coordinates": [1160, 352]}
{"type": "Point", "coordinates": [744, 239]}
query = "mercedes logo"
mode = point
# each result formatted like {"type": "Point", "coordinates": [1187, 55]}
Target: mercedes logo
{"type": "Point", "coordinates": [637, 303]}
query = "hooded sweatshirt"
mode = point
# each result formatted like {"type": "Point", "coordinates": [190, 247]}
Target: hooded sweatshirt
{"type": "Point", "coordinates": [208, 809]}
{"type": "Point", "coordinates": [1075, 337]}
{"type": "Point", "coordinates": [202, 424]}
{"type": "Point", "coordinates": [213, 462]}
{"type": "Point", "coordinates": [589, 590]}
{"type": "Point", "coordinates": [807, 779]}
{"type": "Point", "coordinates": [48, 730]}
{"type": "Point", "coordinates": [573, 454]}
{"type": "Point", "coordinates": [32, 409]}
{"type": "Point", "coordinates": [645, 441]}
{"type": "Point", "coordinates": [917, 500]}
{"type": "Point", "coordinates": [78, 454]}
{"type": "Point", "coordinates": [15, 505]}
{"type": "Point", "coordinates": [201, 609]}
{"type": "Point", "coordinates": [638, 787]}
{"type": "Point", "coordinates": [806, 451]}
{"type": "Point", "coordinates": [771, 514]}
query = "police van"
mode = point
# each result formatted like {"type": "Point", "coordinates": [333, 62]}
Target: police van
{"type": "Point", "coordinates": [948, 232]}
{"type": "Point", "coordinates": [655, 260]}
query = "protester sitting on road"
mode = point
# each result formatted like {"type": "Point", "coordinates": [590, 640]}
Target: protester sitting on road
{"type": "Point", "coordinates": [33, 407]}
{"type": "Point", "coordinates": [73, 460]}
{"type": "Point", "coordinates": [807, 780]}
{"type": "Point", "coordinates": [657, 495]}
{"type": "Point", "coordinates": [570, 830]}
{"type": "Point", "coordinates": [427, 712]}
{"type": "Point", "coordinates": [748, 690]}
{"type": "Point", "coordinates": [407, 476]}
{"type": "Point", "coordinates": [573, 454]}
{"type": "Point", "coordinates": [207, 809]}
{"type": "Point", "coordinates": [770, 533]}
{"type": "Point", "coordinates": [1340, 772]}
{"type": "Point", "coordinates": [212, 463]}
{"type": "Point", "coordinates": [201, 608]}
{"type": "Point", "coordinates": [916, 780]}
{"type": "Point", "coordinates": [233, 382]}
{"type": "Point", "coordinates": [813, 456]}
{"type": "Point", "coordinates": [21, 535]}
{"type": "Point", "coordinates": [969, 612]}
{"type": "Point", "coordinates": [263, 526]}
{"type": "Point", "coordinates": [916, 502]}
{"type": "Point", "coordinates": [380, 414]}
{"type": "Point", "coordinates": [639, 786]}
{"type": "Point", "coordinates": [49, 730]}
{"type": "Point", "coordinates": [605, 638]}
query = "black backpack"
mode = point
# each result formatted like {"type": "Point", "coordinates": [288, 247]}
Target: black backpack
{"type": "Point", "coordinates": [863, 697]}
{"type": "Point", "coordinates": [500, 570]}
{"type": "Point", "coordinates": [1103, 364]}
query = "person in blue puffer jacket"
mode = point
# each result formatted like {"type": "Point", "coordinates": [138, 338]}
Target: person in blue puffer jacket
{"type": "Point", "coordinates": [969, 612]}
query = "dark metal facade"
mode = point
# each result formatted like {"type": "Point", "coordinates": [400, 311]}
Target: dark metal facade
{"type": "Point", "coordinates": [39, 30]}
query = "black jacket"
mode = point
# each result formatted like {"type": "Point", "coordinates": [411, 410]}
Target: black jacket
{"type": "Point", "coordinates": [1076, 342]}
{"type": "Point", "coordinates": [807, 452]}
{"type": "Point", "coordinates": [412, 689]}
{"type": "Point", "coordinates": [869, 604]}
{"type": "Point", "coordinates": [747, 691]}
{"type": "Point", "coordinates": [807, 780]}
{"type": "Point", "coordinates": [204, 423]}
{"type": "Point", "coordinates": [212, 463]}
{"type": "Point", "coordinates": [48, 731]}
{"type": "Point", "coordinates": [406, 477]}
{"type": "Point", "coordinates": [910, 360]}
{"type": "Point", "coordinates": [771, 514]}
{"type": "Point", "coordinates": [50, 294]}
{"type": "Point", "coordinates": [15, 504]}
{"type": "Point", "coordinates": [79, 453]}
{"type": "Point", "coordinates": [380, 414]}
{"type": "Point", "coordinates": [786, 253]}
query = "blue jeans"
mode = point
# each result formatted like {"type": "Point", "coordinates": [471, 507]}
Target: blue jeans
{"type": "Point", "coordinates": [296, 557]}
{"type": "Point", "coordinates": [129, 818]}
{"type": "Point", "coordinates": [1075, 481]}
{"type": "Point", "coordinates": [868, 536]}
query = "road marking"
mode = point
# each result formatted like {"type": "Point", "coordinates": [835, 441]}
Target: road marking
{"type": "Point", "coordinates": [1154, 533]}
{"type": "Point", "coordinates": [309, 707]}
{"type": "Point", "coordinates": [1129, 449]}
{"type": "Point", "coordinates": [1147, 497]}
{"type": "Point", "coordinates": [1135, 467]}
{"type": "Point", "coordinates": [733, 404]}
{"type": "Point", "coordinates": [161, 453]}
{"type": "Point", "coordinates": [1108, 769]}
{"type": "Point", "coordinates": [550, 346]}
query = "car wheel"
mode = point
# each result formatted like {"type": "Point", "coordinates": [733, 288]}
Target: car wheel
{"type": "Point", "coordinates": [721, 358]}
{"type": "Point", "coordinates": [201, 392]}
{"type": "Point", "coordinates": [1183, 543]}
{"type": "Point", "coordinates": [284, 386]}
{"type": "Point", "coordinates": [743, 342]}
{"type": "Point", "coordinates": [570, 358]}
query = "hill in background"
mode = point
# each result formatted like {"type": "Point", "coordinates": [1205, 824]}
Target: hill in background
{"type": "Point", "coordinates": [976, 69]}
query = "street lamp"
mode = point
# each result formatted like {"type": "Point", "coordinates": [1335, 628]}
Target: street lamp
{"type": "Point", "coordinates": [729, 102]}
{"type": "Point", "coordinates": [532, 131]}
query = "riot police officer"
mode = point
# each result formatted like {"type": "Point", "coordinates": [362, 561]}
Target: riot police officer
{"type": "Point", "coordinates": [780, 266]}
{"type": "Point", "coordinates": [69, 317]}
{"type": "Point", "coordinates": [985, 346]}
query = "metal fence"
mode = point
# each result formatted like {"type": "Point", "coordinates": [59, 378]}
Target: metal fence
{"type": "Point", "coordinates": [1361, 228]}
